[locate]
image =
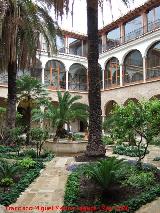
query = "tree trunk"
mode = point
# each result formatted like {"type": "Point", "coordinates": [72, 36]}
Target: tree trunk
{"type": "Point", "coordinates": [95, 146]}
{"type": "Point", "coordinates": [11, 103]}
{"type": "Point", "coordinates": [28, 122]}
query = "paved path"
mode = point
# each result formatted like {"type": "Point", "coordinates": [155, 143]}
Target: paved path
{"type": "Point", "coordinates": [48, 188]}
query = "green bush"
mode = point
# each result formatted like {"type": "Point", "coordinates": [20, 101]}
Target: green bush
{"type": "Point", "coordinates": [107, 140]}
{"type": "Point", "coordinates": [8, 170]}
{"type": "Point", "coordinates": [6, 182]}
{"type": "Point", "coordinates": [30, 153]}
{"type": "Point", "coordinates": [127, 150]}
{"type": "Point", "coordinates": [125, 171]}
{"type": "Point", "coordinates": [77, 137]}
{"type": "Point", "coordinates": [5, 149]}
{"type": "Point", "coordinates": [156, 159]}
{"type": "Point", "coordinates": [104, 172]}
{"type": "Point", "coordinates": [27, 163]}
{"type": "Point", "coordinates": [141, 180]}
{"type": "Point", "coordinates": [155, 141]}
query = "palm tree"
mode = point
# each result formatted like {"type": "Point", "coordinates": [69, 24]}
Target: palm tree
{"type": "Point", "coordinates": [95, 146]}
{"type": "Point", "coordinates": [21, 24]}
{"type": "Point", "coordinates": [68, 109]}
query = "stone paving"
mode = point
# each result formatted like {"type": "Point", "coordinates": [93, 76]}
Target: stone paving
{"type": "Point", "coordinates": [48, 188]}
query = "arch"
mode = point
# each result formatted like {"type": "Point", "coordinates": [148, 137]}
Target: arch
{"type": "Point", "coordinates": [112, 73]}
{"type": "Point", "coordinates": [135, 100]}
{"type": "Point", "coordinates": [133, 67]}
{"type": "Point", "coordinates": [35, 70]}
{"type": "Point", "coordinates": [153, 62]}
{"type": "Point", "coordinates": [55, 74]}
{"type": "Point", "coordinates": [77, 77]}
{"type": "Point", "coordinates": [109, 107]}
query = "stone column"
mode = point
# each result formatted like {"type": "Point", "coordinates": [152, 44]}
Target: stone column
{"type": "Point", "coordinates": [144, 69]}
{"type": "Point", "coordinates": [66, 44]}
{"type": "Point", "coordinates": [122, 33]}
{"type": "Point", "coordinates": [121, 75]}
{"type": "Point", "coordinates": [67, 80]}
{"type": "Point", "coordinates": [104, 42]}
{"type": "Point", "coordinates": [144, 22]}
{"type": "Point", "coordinates": [43, 75]}
{"type": "Point", "coordinates": [82, 48]}
{"type": "Point", "coordinates": [103, 80]}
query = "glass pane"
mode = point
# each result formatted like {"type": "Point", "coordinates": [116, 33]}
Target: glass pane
{"type": "Point", "coordinates": [133, 28]}
{"type": "Point", "coordinates": [75, 46]}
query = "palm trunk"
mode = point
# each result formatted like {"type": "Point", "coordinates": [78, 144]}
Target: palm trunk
{"type": "Point", "coordinates": [28, 121]}
{"type": "Point", "coordinates": [11, 104]}
{"type": "Point", "coordinates": [95, 146]}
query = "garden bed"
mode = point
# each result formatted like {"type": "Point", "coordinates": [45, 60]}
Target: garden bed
{"type": "Point", "coordinates": [84, 191]}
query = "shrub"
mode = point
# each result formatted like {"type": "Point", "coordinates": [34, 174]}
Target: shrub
{"type": "Point", "coordinates": [5, 149]}
{"type": "Point", "coordinates": [77, 137]}
{"type": "Point", "coordinates": [8, 170]}
{"type": "Point", "coordinates": [104, 171]}
{"type": "Point", "coordinates": [6, 182]}
{"type": "Point", "coordinates": [127, 150]}
{"type": "Point", "coordinates": [155, 141]}
{"type": "Point", "coordinates": [156, 159]}
{"type": "Point", "coordinates": [30, 153]}
{"type": "Point", "coordinates": [107, 140]}
{"type": "Point", "coordinates": [141, 180]}
{"type": "Point", "coordinates": [27, 163]}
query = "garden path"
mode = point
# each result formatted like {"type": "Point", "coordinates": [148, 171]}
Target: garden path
{"type": "Point", "coordinates": [47, 189]}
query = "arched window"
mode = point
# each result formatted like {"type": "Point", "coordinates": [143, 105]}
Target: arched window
{"type": "Point", "coordinates": [109, 107]}
{"type": "Point", "coordinates": [112, 73]}
{"type": "Point", "coordinates": [153, 62]}
{"type": "Point", "coordinates": [34, 70]}
{"type": "Point", "coordinates": [77, 77]}
{"type": "Point", "coordinates": [55, 74]}
{"type": "Point", "coordinates": [133, 67]}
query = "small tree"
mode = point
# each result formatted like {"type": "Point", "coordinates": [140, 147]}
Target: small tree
{"type": "Point", "coordinates": [39, 136]}
{"type": "Point", "coordinates": [30, 91]}
{"type": "Point", "coordinates": [16, 136]}
{"type": "Point", "coordinates": [142, 119]}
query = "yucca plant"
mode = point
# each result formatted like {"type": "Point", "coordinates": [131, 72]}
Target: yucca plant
{"type": "Point", "coordinates": [104, 171]}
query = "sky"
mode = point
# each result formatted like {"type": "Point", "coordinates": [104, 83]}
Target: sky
{"type": "Point", "coordinates": [80, 16]}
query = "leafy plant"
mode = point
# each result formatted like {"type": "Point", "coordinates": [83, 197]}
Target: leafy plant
{"type": "Point", "coordinates": [127, 150]}
{"type": "Point", "coordinates": [104, 172]}
{"type": "Point", "coordinates": [39, 136]}
{"type": "Point", "coordinates": [8, 170]}
{"type": "Point", "coordinates": [107, 140]}
{"type": "Point", "coordinates": [140, 180]}
{"type": "Point", "coordinates": [27, 163]}
{"type": "Point", "coordinates": [15, 135]}
{"type": "Point", "coordinates": [30, 153]}
{"type": "Point", "coordinates": [6, 182]}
